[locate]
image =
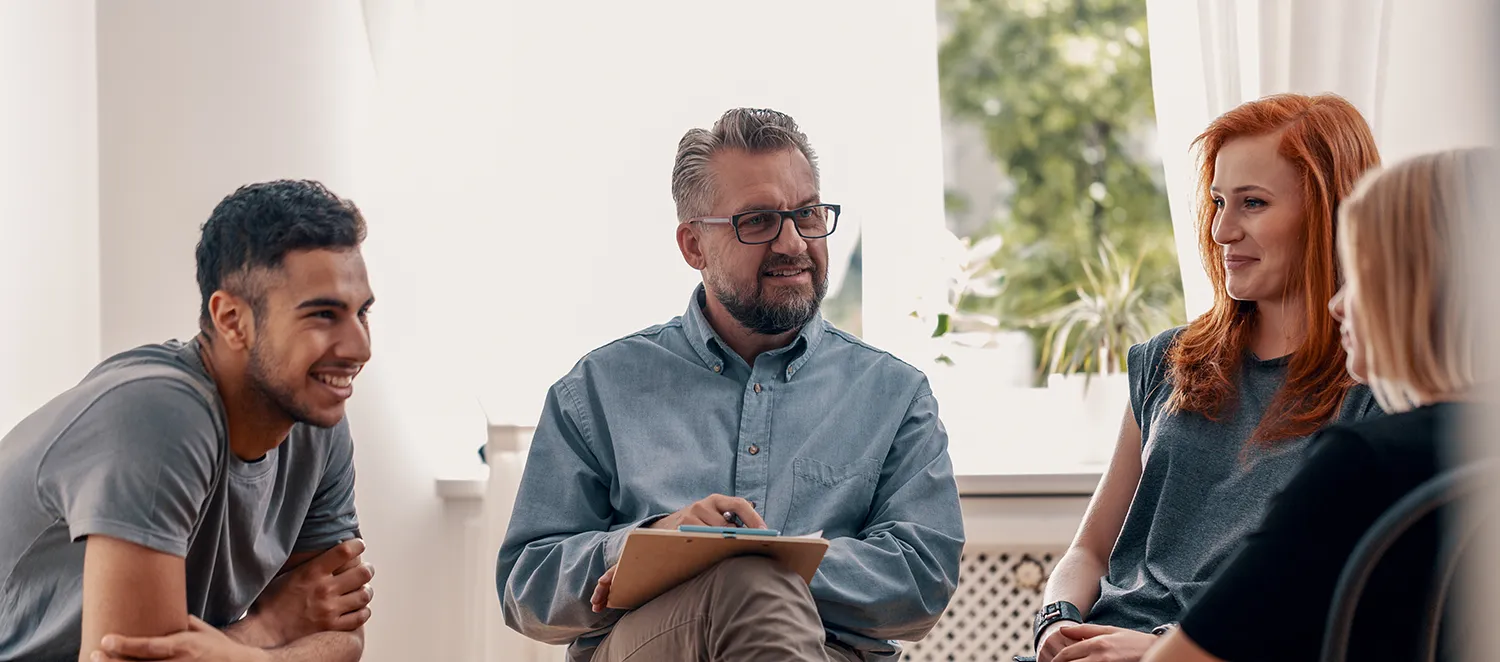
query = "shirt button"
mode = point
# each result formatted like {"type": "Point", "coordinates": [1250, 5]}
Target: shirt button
{"type": "Point", "coordinates": [718, 368]}
{"type": "Point", "coordinates": [754, 450]}
{"type": "Point", "coordinates": [757, 388]}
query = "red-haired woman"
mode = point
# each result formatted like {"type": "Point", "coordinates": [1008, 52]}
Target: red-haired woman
{"type": "Point", "coordinates": [1221, 409]}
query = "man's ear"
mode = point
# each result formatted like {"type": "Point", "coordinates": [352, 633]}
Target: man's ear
{"type": "Point", "coordinates": [233, 319]}
{"type": "Point", "coordinates": [690, 242]}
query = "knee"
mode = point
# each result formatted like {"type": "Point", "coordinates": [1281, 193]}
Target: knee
{"type": "Point", "coordinates": [758, 574]}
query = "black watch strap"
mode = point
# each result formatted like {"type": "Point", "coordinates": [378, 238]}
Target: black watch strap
{"type": "Point", "coordinates": [1061, 610]}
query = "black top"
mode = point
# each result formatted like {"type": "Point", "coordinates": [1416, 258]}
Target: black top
{"type": "Point", "coordinates": [1272, 598]}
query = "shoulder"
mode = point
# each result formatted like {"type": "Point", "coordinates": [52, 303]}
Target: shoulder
{"type": "Point", "coordinates": [630, 347]}
{"type": "Point", "coordinates": [1359, 405]}
{"type": "Point", "coordinates": [154, 375]}
{"type": "Point", "coordinates": [1152, 351]}
{"type": "Point", "coordinates": [856, 355]}
{"type": "Point", "coordinates": [134, 416]}
{"type": "Point", "coordinates": [1146, 366]}
{"type": "Point", "coordinates": [1413, 441]}
{"type": "Point", "coordinates": [624, 353]}
{"type": "Point", "coordinates": [151, 386]}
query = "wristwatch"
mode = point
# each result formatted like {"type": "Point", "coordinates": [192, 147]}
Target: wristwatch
{"type": "Point", "coordinates": [1062, 610]}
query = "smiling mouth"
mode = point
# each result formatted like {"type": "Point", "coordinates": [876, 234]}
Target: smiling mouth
{"type": "Point", "coordinates": [784, 272]}
{"type": "Point", "coordinates": [336, 381]}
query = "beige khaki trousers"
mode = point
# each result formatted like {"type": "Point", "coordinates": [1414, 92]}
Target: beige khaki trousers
{"type": "Point", "coordinates": [745, 609]}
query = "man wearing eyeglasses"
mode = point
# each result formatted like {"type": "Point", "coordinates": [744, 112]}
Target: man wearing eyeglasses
{"type": "Point", "coordinates": [747, 410]}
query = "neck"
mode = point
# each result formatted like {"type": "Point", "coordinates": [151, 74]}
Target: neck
{"type": "Point", "coordinates": [255, 425]}
{"type": "Point", "coordinates": [1279, 328]}
{"type": "Point", "coordinates": [748, 344]}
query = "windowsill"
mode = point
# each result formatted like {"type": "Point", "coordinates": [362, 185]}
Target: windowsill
{"type": "Point", "coordinates": [1055, 455]}
{"type": "Point", "coordinates": [1076, 481]}
{"type": "Point", "coordinates": [462, 489]}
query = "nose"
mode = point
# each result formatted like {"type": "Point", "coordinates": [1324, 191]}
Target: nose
{"type": "Point", "coordinates": [1226, 227]}
{"type": "Point", "coordinates": [1336, 304]}
{"type": "Point", "coordinates": [789, 242]}
{"type": "Point", "coordinates": [354, 343]}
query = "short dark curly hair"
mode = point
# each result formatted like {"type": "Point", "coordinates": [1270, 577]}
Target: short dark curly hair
{"type": "Point", "coordinates": [252, 230]}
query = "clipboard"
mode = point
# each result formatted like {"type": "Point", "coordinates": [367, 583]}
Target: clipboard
{"type": "Point", "coordinates": [655, 561]}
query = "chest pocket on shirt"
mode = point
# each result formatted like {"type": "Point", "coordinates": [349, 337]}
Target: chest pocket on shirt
{"type": "Point", "coordinates": [834, 499]}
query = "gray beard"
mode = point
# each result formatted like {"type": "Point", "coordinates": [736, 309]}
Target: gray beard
{"type": "Point", "coordinates": [759, 316]}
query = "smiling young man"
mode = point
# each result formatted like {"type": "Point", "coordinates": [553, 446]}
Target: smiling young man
{"type": "Point", "coordinates": [180, 485]}
{"type": "Point", "coordinates": [749, 406]}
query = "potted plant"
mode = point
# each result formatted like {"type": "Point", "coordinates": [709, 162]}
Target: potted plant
{"type": "Point", "coordinates": [1087, 339]}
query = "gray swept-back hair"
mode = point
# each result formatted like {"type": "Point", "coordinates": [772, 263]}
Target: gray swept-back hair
{"type": "Point", "coordinates": [754, 130]}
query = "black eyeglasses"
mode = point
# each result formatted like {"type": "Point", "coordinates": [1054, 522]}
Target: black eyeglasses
{"type": "Point", "coordinates": [763, 226]}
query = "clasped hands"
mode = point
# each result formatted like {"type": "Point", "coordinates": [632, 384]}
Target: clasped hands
{"type": "Point", "coordinates": [1072, 642]}
{"type": "Point", "coordinates": [708, 511]}
{"type": "Point", "coordinates": [330, 592]}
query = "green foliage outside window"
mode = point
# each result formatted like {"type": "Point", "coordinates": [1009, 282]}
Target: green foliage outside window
{"type": "Point", "coordinates": [1061, 90]}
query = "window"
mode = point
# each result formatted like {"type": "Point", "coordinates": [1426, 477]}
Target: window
{"type": "Point", "coordinates": [974, 193]}
{"type": "Point", "coordinates": [1058, 251]}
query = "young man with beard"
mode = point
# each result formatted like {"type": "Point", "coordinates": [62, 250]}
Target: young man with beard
{"type": "Point", "coordinates": [749, 405]}
{"type": "Point", "coordinates": [181, 484]}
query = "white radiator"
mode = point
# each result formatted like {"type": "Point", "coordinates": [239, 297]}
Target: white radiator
{"type": "Point", "coordinates": [989, 619]}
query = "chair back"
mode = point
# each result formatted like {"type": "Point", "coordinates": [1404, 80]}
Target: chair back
{"type": "Point", "coordinates": [1442, 490]}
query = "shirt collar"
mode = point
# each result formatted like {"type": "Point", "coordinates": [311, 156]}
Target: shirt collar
{"type": "Point", "coordinates": [712, 349]}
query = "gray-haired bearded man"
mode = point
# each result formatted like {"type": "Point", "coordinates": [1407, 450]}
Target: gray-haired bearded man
{"type": "Point", "coordinates": [748, 406]}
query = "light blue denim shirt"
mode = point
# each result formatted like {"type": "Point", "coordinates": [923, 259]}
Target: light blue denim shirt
{"type": "Point", "coordinates": [826, 433]}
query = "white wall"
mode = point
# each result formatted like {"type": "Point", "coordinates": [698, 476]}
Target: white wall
{"type": "Point", "coordinates": [594, 103]}
{"type": "Point", "coordinates": [49, 203]}
{"type": "Point", "coordinates": [196, 99]}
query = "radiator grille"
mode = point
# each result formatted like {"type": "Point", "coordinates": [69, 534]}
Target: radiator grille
{"type": "Point", "coordinates": [989, 619]}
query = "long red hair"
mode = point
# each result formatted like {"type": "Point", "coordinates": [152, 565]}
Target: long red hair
{"type": "Point", "coordinates": [1330, 144]}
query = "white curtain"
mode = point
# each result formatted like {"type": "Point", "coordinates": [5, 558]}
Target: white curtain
{"type": "Point", "coordinates": [1208, 56]}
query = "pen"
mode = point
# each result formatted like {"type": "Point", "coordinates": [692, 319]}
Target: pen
{"type": "Point", "coordinates": [734, 519]}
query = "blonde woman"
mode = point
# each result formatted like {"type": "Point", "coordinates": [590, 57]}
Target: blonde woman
{"type": "Point", "coordinates": [1410, 335]}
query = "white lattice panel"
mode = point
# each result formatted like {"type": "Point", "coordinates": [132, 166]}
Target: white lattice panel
{"type": "Point", "coordinates": [989, 619]}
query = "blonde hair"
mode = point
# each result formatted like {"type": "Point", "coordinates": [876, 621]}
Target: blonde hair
{"type": "Point", "coordinates": [1402, 238]}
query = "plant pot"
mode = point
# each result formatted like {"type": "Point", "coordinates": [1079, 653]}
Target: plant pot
{"type": "Point", "coordinates": [1101, 402]}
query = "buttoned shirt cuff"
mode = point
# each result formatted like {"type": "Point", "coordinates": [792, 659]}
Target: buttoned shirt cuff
{"type": "Point", "coordinates": [614, 541]}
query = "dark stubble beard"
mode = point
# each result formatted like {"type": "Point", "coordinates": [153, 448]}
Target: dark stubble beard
{"type": "Point", "coordinates": [279, 396]}
{"type": "Point", "coordinates": [749, 307]}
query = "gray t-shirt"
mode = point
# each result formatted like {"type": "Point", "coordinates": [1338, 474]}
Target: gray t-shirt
{"type": "Point", "coordinates": [138, 451]}
{"type": "Point", "coordinates": [1203, 488]}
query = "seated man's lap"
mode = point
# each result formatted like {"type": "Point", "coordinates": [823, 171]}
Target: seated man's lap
{"type": "Point", "coordinates": [743, 608]}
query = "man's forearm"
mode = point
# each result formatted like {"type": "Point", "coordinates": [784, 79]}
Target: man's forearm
{"type": "Point", "coordinates": [323, 647]}
{"type": "Point", "coordinates": [254, 630]}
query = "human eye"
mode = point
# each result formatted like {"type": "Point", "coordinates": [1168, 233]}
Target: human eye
{"type": "Point", "coordinates": [756, 220]}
